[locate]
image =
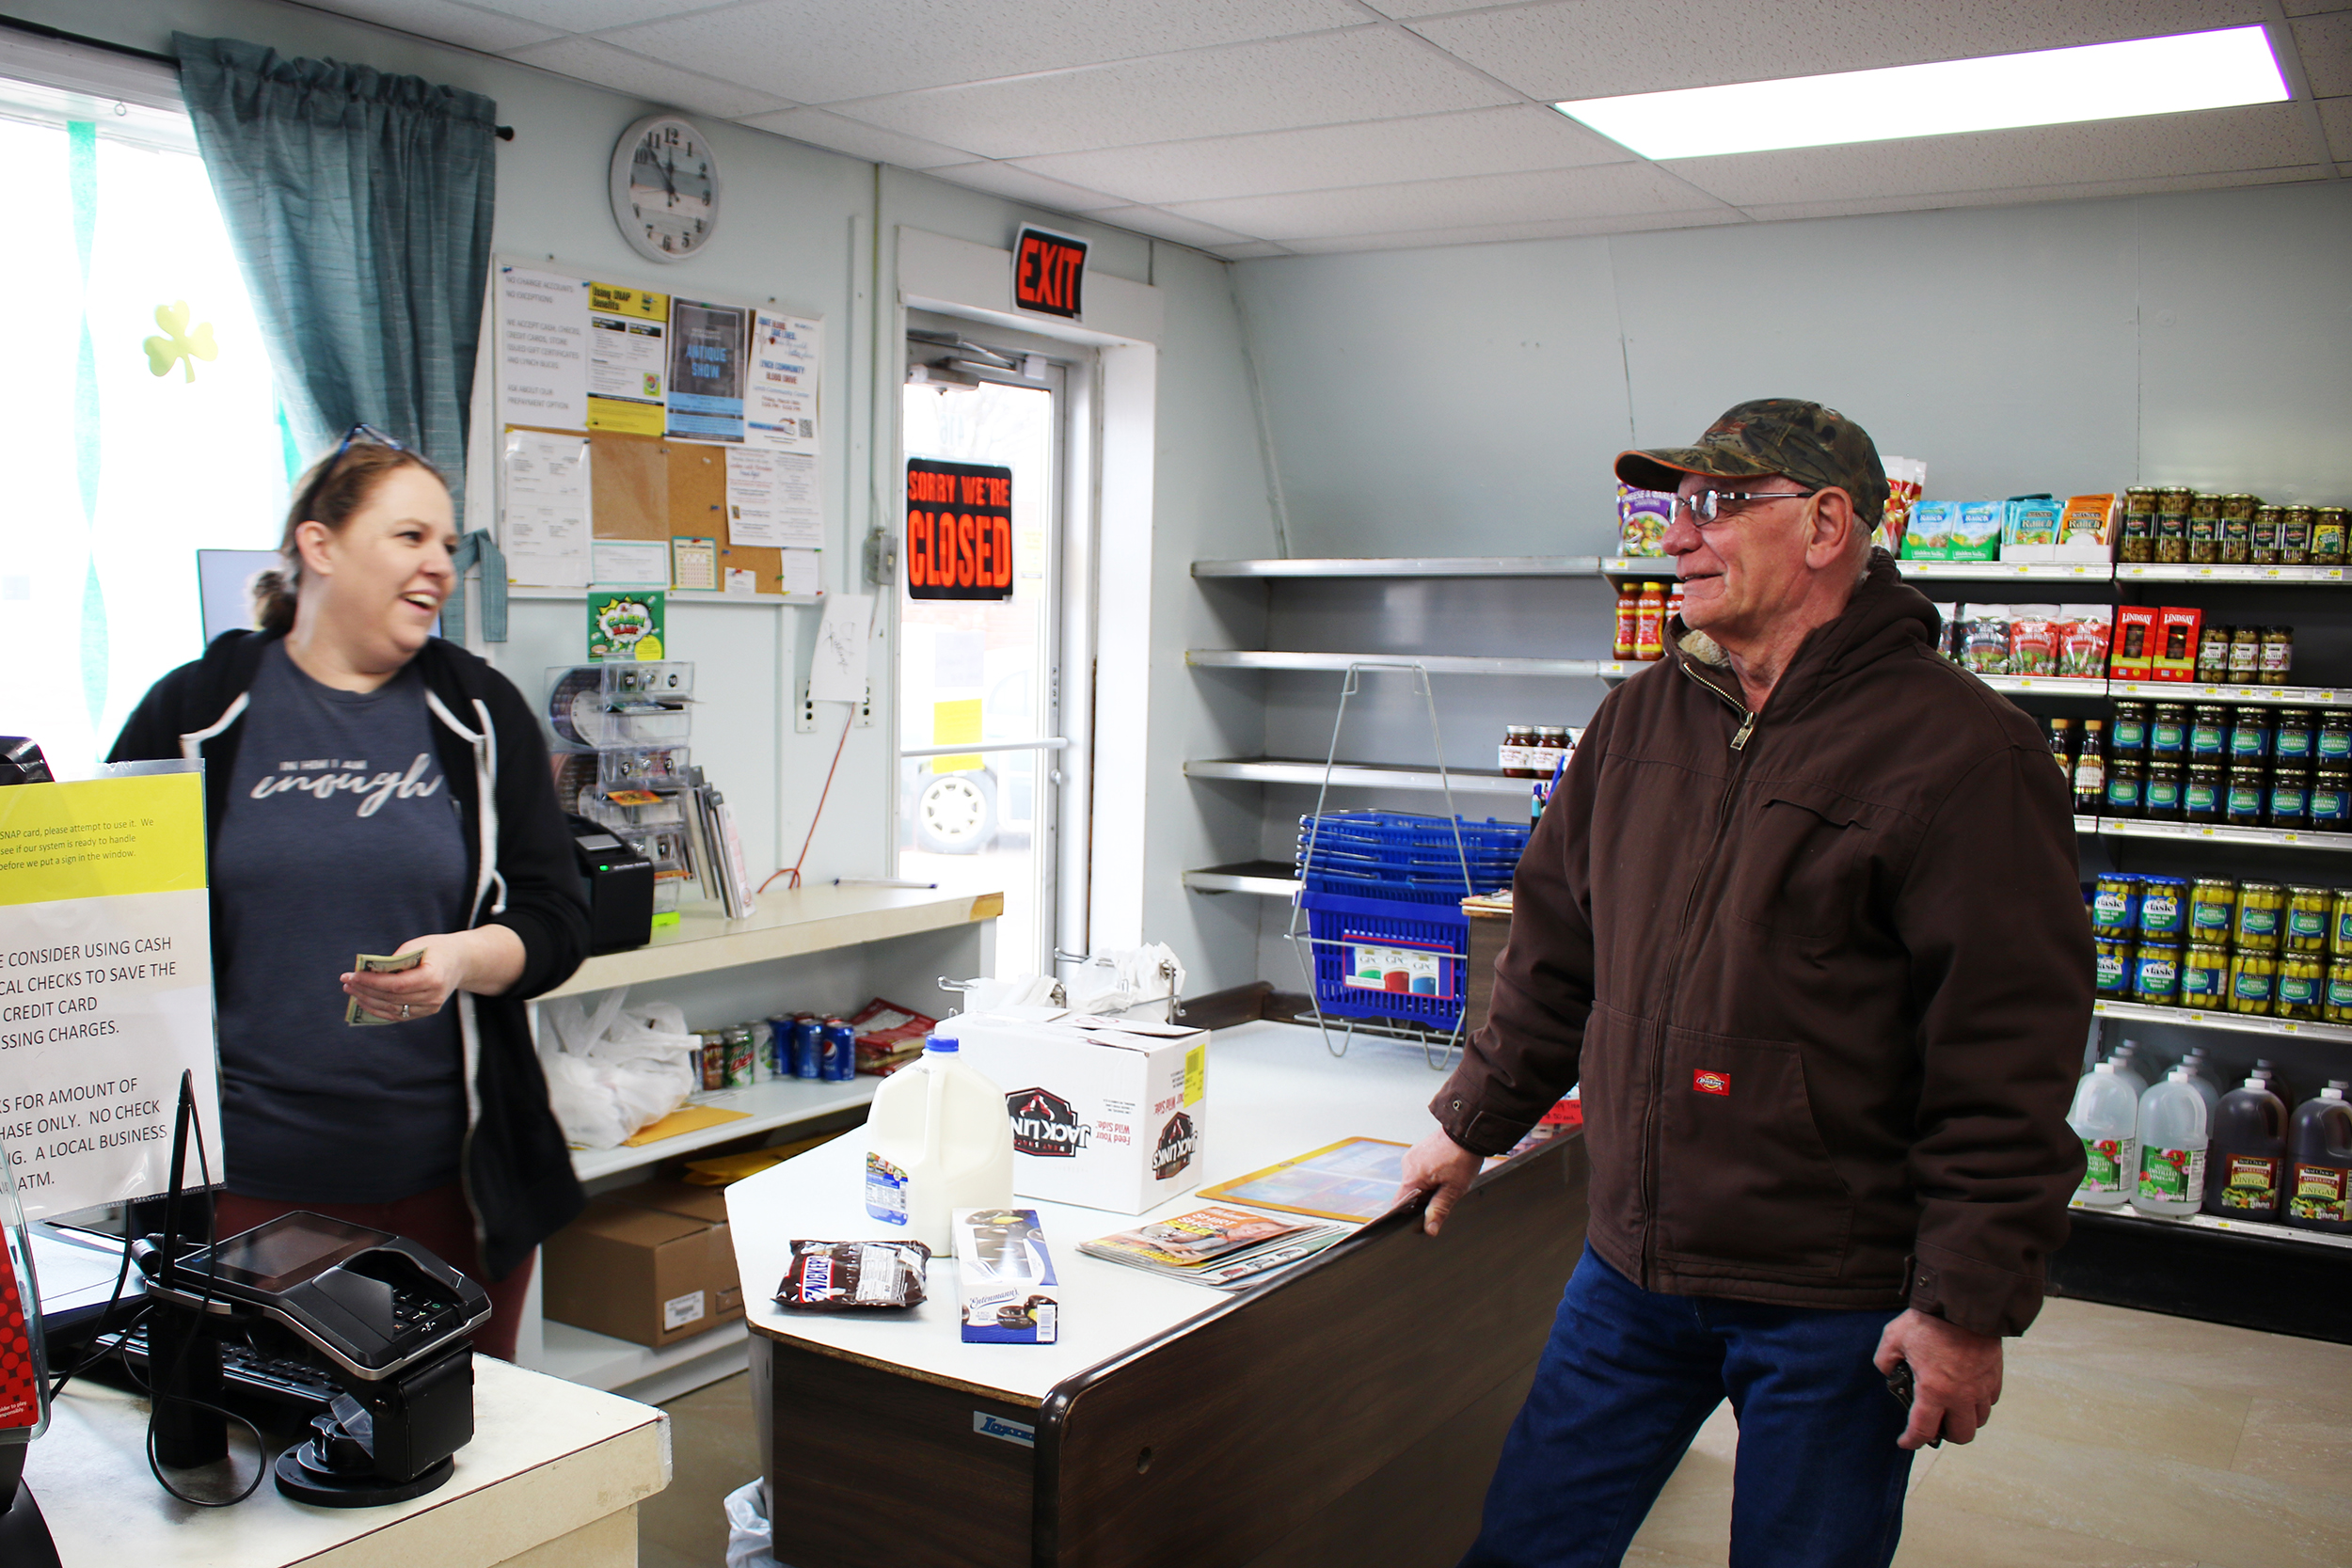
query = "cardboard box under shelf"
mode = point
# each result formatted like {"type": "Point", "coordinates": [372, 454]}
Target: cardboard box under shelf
{"type": "Point", "coordinates": [653, 1264]}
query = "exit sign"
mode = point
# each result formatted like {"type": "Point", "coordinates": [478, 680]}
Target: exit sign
{"type": "Point", "coordinates": [1047, 272]}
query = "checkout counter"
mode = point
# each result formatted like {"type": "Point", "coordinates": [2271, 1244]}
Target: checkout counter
{"type": "Point", "coordinates": [1349, 1410]}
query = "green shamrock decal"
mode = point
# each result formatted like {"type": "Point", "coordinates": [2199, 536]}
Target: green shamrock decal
{"type": "Point", "coordinates": [180, 343]}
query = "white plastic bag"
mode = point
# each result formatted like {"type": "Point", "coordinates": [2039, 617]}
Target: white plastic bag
{"type": "Point", "coordinates": [618, 1070]}
{"type": "Point", "coordinates": [1141, 983]}
{"type": "Point", "coordinates": [750, 1542]}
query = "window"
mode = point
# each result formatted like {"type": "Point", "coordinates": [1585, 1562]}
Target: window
{"type": "Point", "coordinates": [134, 434]}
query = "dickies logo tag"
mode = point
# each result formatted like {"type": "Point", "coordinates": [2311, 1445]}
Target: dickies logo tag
{"type": "Point", "coordinates": [1710, 1083]}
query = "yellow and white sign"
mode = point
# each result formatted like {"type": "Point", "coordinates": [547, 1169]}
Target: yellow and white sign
{"type": "Point", "coordinates": [105, 985]}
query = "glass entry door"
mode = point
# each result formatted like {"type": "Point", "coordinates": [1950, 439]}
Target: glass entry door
{"type": "Point", "coordinates": [979, 720]}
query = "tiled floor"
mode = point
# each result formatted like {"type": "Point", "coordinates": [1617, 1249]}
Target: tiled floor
{"type": "Point", "coordinates": [2122, 1440]}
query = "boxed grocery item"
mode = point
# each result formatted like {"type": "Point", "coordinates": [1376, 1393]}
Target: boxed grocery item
{"type": "Point", "coordinates": [2172, 655]}
{"type": "Point", "coordinates": [1905, 478]}
{"type": "Point", "coordinates": [2135, 642]}
{"type": "Point", "coordinates": [2029, 528]}
{"type": "Point", "coordinates": [653, 1263]}
{"type": "Point", "coordinates": [1005, 1280]}
{"type": "Point", "coordinates": [1110, 1113]}
{"type": "Point", "coordinates": [2087, 529]}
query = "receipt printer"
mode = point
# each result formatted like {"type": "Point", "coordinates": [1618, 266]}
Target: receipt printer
{"type": "Point", "coordinates": [620, 889]}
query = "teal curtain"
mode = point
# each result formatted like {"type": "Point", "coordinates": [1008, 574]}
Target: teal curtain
{"type": "Point", "coordinates": [360, 204]}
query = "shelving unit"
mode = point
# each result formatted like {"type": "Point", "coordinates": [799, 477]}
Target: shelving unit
{"type": "Point", "coordinates": [1408, 566]}
{"type": "Point", "coordinates": [1350, 775]}
{"type": "Point", "coordinates": [2066, 571]}
{"type": "Point", "coordinates": [1270, 879]}
{"type": "Point", "coordinates": [783, 1103]}
{"type": "Point", "coordinates": [1436, 664]}
{"type": "Point", "coordinates": [2215, 832]}
{"type": "Point", "coordinates": [2175, 572]}
{"type": "Point", "coordinates": [2233, 1024]}
{"type": "Point", "coordinates": [2262, 1229]}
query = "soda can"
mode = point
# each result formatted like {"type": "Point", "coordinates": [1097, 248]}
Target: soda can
{"type": "Point", "coordinates": [740, 1074]}
{"type": "Point", "coordinates": [779, 1057]}
{"type": "Point", "coordinates": [840, 1051]}
{"type": "Point", "coordinates": [714, 1055]}
{"type": "Point", "coordinates": [808, 1048]}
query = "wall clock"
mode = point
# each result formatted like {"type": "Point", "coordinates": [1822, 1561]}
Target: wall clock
{"type": "Point", "coordinates": [665, 188]}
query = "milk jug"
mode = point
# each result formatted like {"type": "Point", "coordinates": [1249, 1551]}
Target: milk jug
{"type": "Point", "coordinates": [937, 1140]}
{"type": "Point", "coordinates": [2321, 1147]}
{"type": "Point", "coordinates": [2105, 1117]}
{"type": "Point", "coordinates": [2173, 1130]}
{"type": "Point", "coordinates": [2246, 1163]}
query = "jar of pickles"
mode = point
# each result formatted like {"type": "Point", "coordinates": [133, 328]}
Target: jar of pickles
{"type": "Point", "coordinates": [2127, 734]}
{"type": "Point", "coordinates": [2237, 528]}
{"type": "Point", "coordinates": [2212, 911]}
{"type": "Point", "coordinates": [2264, 548]}
{"type": "Point", "coordinates": [2295, 536]}
{"type": "Point", "coordinates": [2209, 733]}
{"type": "Point", "coordinates": [2292, 737]}
{"type": "Point", "coordinates": [2160, 792]}
{"type": "Point", "coordinates": [2202, 793]}
{"type": "Point", "coordinates": [2261, 916]}
{"type": "Point", "coordinates": [2156, 974]}
{"type": "Point", "coordinates": [2331, 801]}
{"type": "Point", "coordinates": [2246, 798]}
{"type": "Point", "coordinates": [2253, 979]}
{"type": "Point", "coordinates": [2336, 1002]}
{"type": "Point", "coordinates": [2112, 969]}
{"type": "Point", "coordinates": [2126, 779]}
{"type": "Point", "coordinates": [2301, 978]}
{"type": "Point", "coordinates": [2290, 804]}
{"type": "Point", "coordinates": [2340, 923]}
{"type": "Point", "coordinates": [2140, 527]}
{"type": "Point", "coordinates": [2167, 732]}
{"type": "Point", "coordinates": [2164, 909]}
{"type": "Point", "coordinates": [2249, 735]}
{"type": "Point", "coordinates": [2115, 908]}
{"type": "Point", "coordinates": [2332, 745]}
{"type": "Point", "coordinates": [2205, 978]}
{"type": "Point", "coordinates": [2204, 529]}
{"type": "Point", "coordinates": [2329, 525]}
{"type": "Point", "coordinates": [2306, 927]}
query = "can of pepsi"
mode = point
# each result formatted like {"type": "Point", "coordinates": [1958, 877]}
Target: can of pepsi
{"type": "Point", "coordinates": [840, 1051]}
{"type": "Point", "coordinates": [808, 1048]}
{"type": "Point", "coordinates": [779, 1048]}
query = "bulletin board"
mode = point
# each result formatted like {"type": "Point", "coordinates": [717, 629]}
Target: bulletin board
{"type": "Point", "coordinates": [654, 488]}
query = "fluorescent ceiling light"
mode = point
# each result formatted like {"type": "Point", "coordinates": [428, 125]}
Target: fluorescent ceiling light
{"type": "Point", "coordinates": [2049, 87]}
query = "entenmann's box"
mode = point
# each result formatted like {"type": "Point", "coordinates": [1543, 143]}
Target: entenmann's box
{"type": "Point", "coordinates": [1108, 1112]}
{"type": "Point", "coordinates": [1007, 1292]}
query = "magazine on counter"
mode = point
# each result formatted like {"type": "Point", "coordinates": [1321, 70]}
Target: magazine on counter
{"type": "Point", "coordinates": [1215, 1246]}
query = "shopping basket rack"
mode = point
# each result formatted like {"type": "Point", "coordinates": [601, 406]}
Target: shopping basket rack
{"type": "Point", "coordinates": [1386, 947]}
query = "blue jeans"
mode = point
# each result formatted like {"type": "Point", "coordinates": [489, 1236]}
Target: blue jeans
{"type": "Point", "coordinates": [1624, 1385]}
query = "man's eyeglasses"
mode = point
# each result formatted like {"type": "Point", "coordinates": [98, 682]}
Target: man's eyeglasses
{"type": "Point", "coordinates": [1707, 505]}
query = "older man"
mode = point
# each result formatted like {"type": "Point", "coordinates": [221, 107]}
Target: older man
{"type": "Point", "coordinates": [1802, 920]}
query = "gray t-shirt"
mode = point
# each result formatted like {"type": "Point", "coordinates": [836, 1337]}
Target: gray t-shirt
{"type": "Point", "coordinates": [340, 838]}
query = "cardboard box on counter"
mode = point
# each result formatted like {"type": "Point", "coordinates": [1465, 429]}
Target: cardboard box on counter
{"type": "Point", "coordinates": [1108, 1112]}
{"type": "Point", "coordinates": [653, 1263]}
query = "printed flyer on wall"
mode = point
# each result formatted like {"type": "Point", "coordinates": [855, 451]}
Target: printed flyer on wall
{"type": "Point", "coordinates": [781, 407]}
{"type": "Point", "coordinates": [627, 358]}
{"type": "Point", "coordinates": [706, 370]}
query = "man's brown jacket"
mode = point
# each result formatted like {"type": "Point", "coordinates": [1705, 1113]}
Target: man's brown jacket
{"type": "Point", "coordinates": [1824, 974]}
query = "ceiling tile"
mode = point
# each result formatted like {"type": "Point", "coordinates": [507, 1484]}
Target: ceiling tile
{"type": "Point", "coordinates": [1428, 147]}
{"type": "Point", "coordinates": [2009, 197]}
{"type": "Point", "coordinates": [467, 26]}
{"type": "Point", "coordinates": [647, 79]}
{"type": "Point", "coordinates": [2336, 114]}
{"type": "Point", "coordinates": [2311, 8]}
{"type": "Point", "coordinates": [1019, 184]}
{"type": "Point", "coordinates": [1596, 48]}
{"type": "Point", "coordinates": [2324, 42]}
{"type": "Point", "coordinates": [1369, 74]}
{"type": "Point", "coordinates": [1170, 226]}
{"type": "Point", "coordinates": [586, 16]}
{"type": "Point", "coordinates": [1409, 10]}
{"type": "Point", "coordinates": [857, 138]}
{"type": "Point", "coordinates": [1249, 252]}
{"type": "Point", "coordinates": [822, 51]}
{"type": "Point", "coordinates": [1412, 239]}
{"type": "Point", "coordinates": [1610, 190]}
{"type": "Point", "coordinates": [2264, 135]}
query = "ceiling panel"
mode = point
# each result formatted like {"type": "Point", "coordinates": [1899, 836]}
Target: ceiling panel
{"type": "Point", "coordinates": [586, 16]}
{"type": "Point", "coordinates": [463, 25]}
{"type": "Point", "coordinates": [640, 77]}
{"type": "Point", "coordinates": [857, 138]}
{"type": "Point", "coordinates": [1571, 229]}
{"type": "Point", "coordinates": [2010, 196]}
{"type": "Point", "coordinates": [1252, 251]}
{"type": "Point", "coordinates": [1596, 48]}
{"type": "Point", "coordinates": [1429, 146]}
{"type": "Point", "coordinates": [822, 51]}
{"type": "Point", "coordinates": [2324, 42]}
{"type": "Point", "coordinates": [1608, 190]}
{"type": "Point", "coordinates": [2267, 135]}
{"type": "Point", "coordinates": [1019, 184]}
{"type": "Point", "coordinates": [1370, 73]}
{"type": "Point", "coordinates": [1170, 226]}
{"type": "Point", "coordinates": [2336, 115]}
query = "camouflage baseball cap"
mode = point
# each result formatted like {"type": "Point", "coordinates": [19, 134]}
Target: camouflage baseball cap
{"type": "Point", "coordinates": [1811, 444]}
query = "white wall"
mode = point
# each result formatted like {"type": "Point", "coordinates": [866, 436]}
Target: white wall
{"type": "Point", "coordinates": [800, 230]}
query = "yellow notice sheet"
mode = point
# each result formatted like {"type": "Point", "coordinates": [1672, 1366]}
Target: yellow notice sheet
{"type": "Point", "coordinates": [105, 983]}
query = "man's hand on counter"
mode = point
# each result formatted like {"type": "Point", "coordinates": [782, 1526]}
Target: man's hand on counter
{"type": "Point", "coordinates": [1442, 1168]}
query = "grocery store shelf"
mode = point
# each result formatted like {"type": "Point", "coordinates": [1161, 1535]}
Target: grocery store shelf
{"type": "Point", "coordinates": [1435, 664]}
{"type": "Point", "coordinates": [2086, 824]}
{"type": "Point", "coordinates": [1271, 878]}
{"type": "Point", "coordinates": [2049, 686]}
{"type": "Point", "coordinates": [2267, 1232]}
{"type": "Point", "coordinates": [1980, 571]}
{"type": "Point", "coordinates": [1358, 775]}
{"type": "Point", "coordinates": [1661, 567]}
{"type": "Point", "coordinates": [778, 1102]}
{"type": "Point", "coordinates": [2283, 696]}
{"type": "Point", "coordinates": [2175, 572]}
{"type": "Point", "coordinates": [1408, 566]}
{"type": "Point", "coordinates": [2235, 1023]}
{"type": "Point", "coordinates": [2215, 832]}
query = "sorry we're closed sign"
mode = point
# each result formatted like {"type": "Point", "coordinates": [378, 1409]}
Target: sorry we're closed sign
{"type": "Point", "coordinates": [958, 543]}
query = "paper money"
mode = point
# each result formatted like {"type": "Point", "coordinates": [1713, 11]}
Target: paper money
{"type": "Point", "coordinates": [379, 963]}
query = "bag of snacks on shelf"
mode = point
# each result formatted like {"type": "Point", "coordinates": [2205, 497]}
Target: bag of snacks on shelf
{"type": "Point", "coordinates": [853, 1276]}
{"type": "Point", "coordinates": [2083, 633]}
{"type": "Point", "coordinates": [1929, 537]}
{"type": "Point", "coordinates": [1984, 640]}
{"type": "Point", "coordinates": [2033, 638]}
{"type": "Point", "coordinates": [1974, 532]}
{"type": "Point", "coordinates": [1641, 519]}
{"type": "Point", "coordinates": [1905, 478]}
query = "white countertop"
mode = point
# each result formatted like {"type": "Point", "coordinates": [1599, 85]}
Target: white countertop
{"type": "Point", "coordinates": [785, 924]}
{"type": "Point", "coordinates": [1274, 1091]}
{"type": "Point", "coordinates": [547, 1458]}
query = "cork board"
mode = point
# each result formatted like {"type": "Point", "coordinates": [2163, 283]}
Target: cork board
{"type": "Point", "coordinates": [653, 488]}
{"type": "Point", "coordinates": [698, 509]}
